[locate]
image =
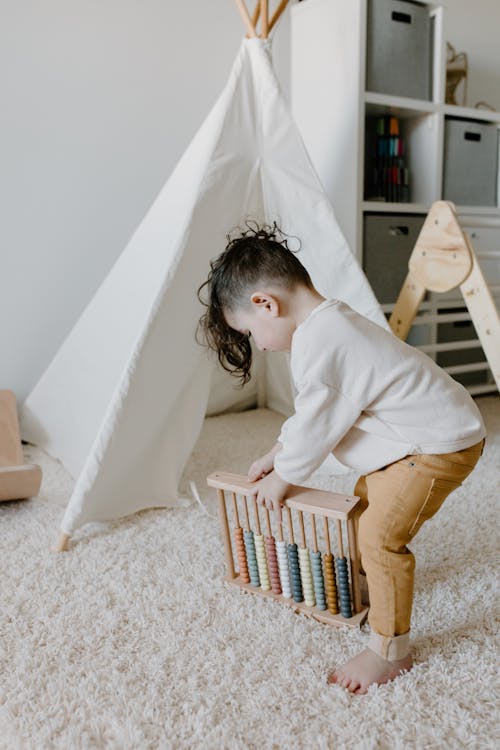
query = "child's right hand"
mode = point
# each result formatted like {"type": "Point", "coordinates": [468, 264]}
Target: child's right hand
{"type": "Point", "coordinates": [263, 465]}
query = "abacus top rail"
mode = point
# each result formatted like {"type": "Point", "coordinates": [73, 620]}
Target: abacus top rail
{"type": "Point", "coordinates": [331, 504]}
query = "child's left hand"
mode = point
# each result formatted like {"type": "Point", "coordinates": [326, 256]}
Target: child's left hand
{"type": "Point", "coordinates": [270, 491]}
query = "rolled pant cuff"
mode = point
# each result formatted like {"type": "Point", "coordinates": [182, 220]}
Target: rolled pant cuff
{"type": "Point", "coordinates": [390, 648]}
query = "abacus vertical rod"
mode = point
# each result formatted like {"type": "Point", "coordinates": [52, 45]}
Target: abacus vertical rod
{"type": "Point", "coordinates": [257, 519]}
{"type": "Point", "coordinates": [280, 531]}
{"type": "Point", "coordinates": [268, 523]}
{"type": "Point", "coordinates": [226, 534]}
{"type": "Point", "coordinates": [235, 508]}
{"type": "Point", "coordinates": [290, 523]}
{"type": "Point", "coordinates": [327, 536]}
{"type": "Point", "coordinates": [355, 564]}
{"type": "Point", "coordinates": [247, 517]}
{"type": "Point", "coordinates": [315, 538]}
{"type": "Point", "coordinates": [302, 530]}
{"type": "Point", "coordinates": [339, 538]}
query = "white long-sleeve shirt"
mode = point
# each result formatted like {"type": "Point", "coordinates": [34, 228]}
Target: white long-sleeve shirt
{"type": "Point", "coordinates": [367, 397]}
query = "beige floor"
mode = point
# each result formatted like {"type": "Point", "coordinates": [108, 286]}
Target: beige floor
{"type": "Point", "coordinates": [131, 640]}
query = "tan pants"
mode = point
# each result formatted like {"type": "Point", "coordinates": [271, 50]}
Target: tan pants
{"type": "Point", "coordinates": [397, 500]}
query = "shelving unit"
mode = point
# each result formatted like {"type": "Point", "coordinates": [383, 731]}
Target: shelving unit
{"type": "Point", "coordinates": [331, 105]}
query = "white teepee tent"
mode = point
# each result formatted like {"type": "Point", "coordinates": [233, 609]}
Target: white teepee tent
{"type": "Point", "coordinates": [122, 403]}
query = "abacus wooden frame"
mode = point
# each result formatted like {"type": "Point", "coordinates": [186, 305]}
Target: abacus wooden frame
{"type": "Point", "coordinates": [333, 505]}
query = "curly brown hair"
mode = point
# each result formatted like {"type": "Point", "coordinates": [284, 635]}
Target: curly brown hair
{"type": "Point", "coordinates": [260, 253]}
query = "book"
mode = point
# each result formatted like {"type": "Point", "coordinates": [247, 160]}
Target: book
{"type": "Point", "coordinates": [387, 175]}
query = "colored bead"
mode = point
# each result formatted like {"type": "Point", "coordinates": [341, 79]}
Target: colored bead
{"type": "Point", "coordinates": [251, 558]}
{"type": "Point", "coordinates": [307, 580]}
{"type": "Point", "coordinates": [262, 562]}
{"type": "Point", "coordinates": [283, 569]}
{"type": "Point", "coordinates": [273, 564]}
{"type": "Point", "coordinates": [295, 574]}
{"type": "Point", "coordinates": [240, 554]}
{"type": "Point", "coordinates": [319, 583]}
{"type": "Point", "coordinates": [343, 587]}
{"type": "Point", "coordinates": [331, 588]}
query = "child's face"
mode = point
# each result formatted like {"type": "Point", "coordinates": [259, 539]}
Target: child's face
{"type": "Point", "coordinates": [270, 330]}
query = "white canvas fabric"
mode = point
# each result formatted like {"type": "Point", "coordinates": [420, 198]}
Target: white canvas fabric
{"type": "Point", "coordinates": [122, 403]}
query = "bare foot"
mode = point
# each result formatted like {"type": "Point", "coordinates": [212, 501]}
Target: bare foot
{"type": "Point", "coordinates": [367, 668]}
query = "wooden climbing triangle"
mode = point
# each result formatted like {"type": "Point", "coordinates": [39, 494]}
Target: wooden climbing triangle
{"type": "Point", "coordinates": [443, 259]}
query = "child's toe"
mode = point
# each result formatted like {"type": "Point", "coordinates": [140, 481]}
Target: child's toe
{"type": "Point", "coordinates": [361, 689]}
{"type": "Point", "coordinates": [334, 677]}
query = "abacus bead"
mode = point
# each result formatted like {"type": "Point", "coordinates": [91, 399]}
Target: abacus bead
{"type": "Point", "coordinates": [283, 568]}
{"type": "Point", "coordinates": [251, 557]}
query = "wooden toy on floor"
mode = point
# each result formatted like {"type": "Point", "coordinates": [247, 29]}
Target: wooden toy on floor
{"type": "Point", "coordinates": [297, 575]}
{"type": "Point", "coordinates": [18, 479]}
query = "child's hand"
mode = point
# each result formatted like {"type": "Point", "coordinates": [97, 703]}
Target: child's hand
{"type": "Point", "coordinates": [263, 465]}
{"type": "Point", "coordinates": [270, 492]}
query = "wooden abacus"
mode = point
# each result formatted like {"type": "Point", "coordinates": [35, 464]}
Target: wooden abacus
{"type": "Point", "coordinates": [298, 576]}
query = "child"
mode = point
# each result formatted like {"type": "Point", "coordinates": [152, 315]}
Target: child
{"type": "Point", "coordinates": [382, 407]}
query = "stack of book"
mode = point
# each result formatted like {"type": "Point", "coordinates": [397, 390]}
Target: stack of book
{"type": "Point", "coordinates": [387, 173]}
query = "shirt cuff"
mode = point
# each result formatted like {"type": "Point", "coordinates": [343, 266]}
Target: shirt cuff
{"type": "Point", "coordinates": [297, 479]}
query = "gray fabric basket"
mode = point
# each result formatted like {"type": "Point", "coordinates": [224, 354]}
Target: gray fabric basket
{"type": "Point", "coordinates": [470, 166]}
{"type": "Point", "coordinates": [388, 242]}
{"type": "Point", "coordinates": [398, 49]}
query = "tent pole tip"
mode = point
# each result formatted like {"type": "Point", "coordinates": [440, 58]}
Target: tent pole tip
{"type": "Point", "coordinates": [62, 544]}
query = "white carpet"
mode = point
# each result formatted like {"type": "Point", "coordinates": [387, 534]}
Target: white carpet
{"type": "Point", "coordinates": [131, 640]}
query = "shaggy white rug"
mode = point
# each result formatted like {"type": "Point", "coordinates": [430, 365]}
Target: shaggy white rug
{"type": "Point", "coordinates": [131, 639]}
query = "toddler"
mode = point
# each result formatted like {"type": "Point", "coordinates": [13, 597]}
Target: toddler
{"type": "Point", "coordinates": [384, 409]}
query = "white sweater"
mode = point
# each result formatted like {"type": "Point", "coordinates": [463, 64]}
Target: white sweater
{"type": "Point", "coordinates": [368, 397]}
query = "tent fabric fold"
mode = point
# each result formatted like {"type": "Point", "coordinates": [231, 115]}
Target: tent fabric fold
{"type": "Point", "coordinates": [122, 403]}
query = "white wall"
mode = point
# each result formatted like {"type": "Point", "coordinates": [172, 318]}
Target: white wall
{"type": "Point", "coordinates": [474, 27]}
{"type": "Point", "coordinates": [99, 99]}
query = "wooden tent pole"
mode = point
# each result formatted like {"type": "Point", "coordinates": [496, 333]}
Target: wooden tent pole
{"type": "Point", "coordinates": [246, 18]}
{"type": "Point", "coordinates": [62, 544]}
{"type": "Point", "coordinates": [255, 16]}
{"type": "Point", "coordinates": [277, 13]}
{"type": "Point", "coordinates": [265, 19]}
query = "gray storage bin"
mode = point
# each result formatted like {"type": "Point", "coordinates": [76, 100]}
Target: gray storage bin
{"type": "Point", "coordinates": [388, 242]}
{"type": "Point", "coordinates": [398, 48]}
{"type": "Point", "coordinates": [470, 162]}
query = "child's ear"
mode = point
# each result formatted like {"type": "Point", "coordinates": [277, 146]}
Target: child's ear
{"type": "Point", "coordinates": [266, 302]}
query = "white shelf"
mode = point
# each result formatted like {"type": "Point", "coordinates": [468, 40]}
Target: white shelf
{"type": "Point", "coordinates": [385, 207]}
{"type": "Point", "coordinates": [471, 113]}
{"type": "Point", "coordinates": [478, 210]}
{"type": "Point", "coordinates": [397, 105]}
